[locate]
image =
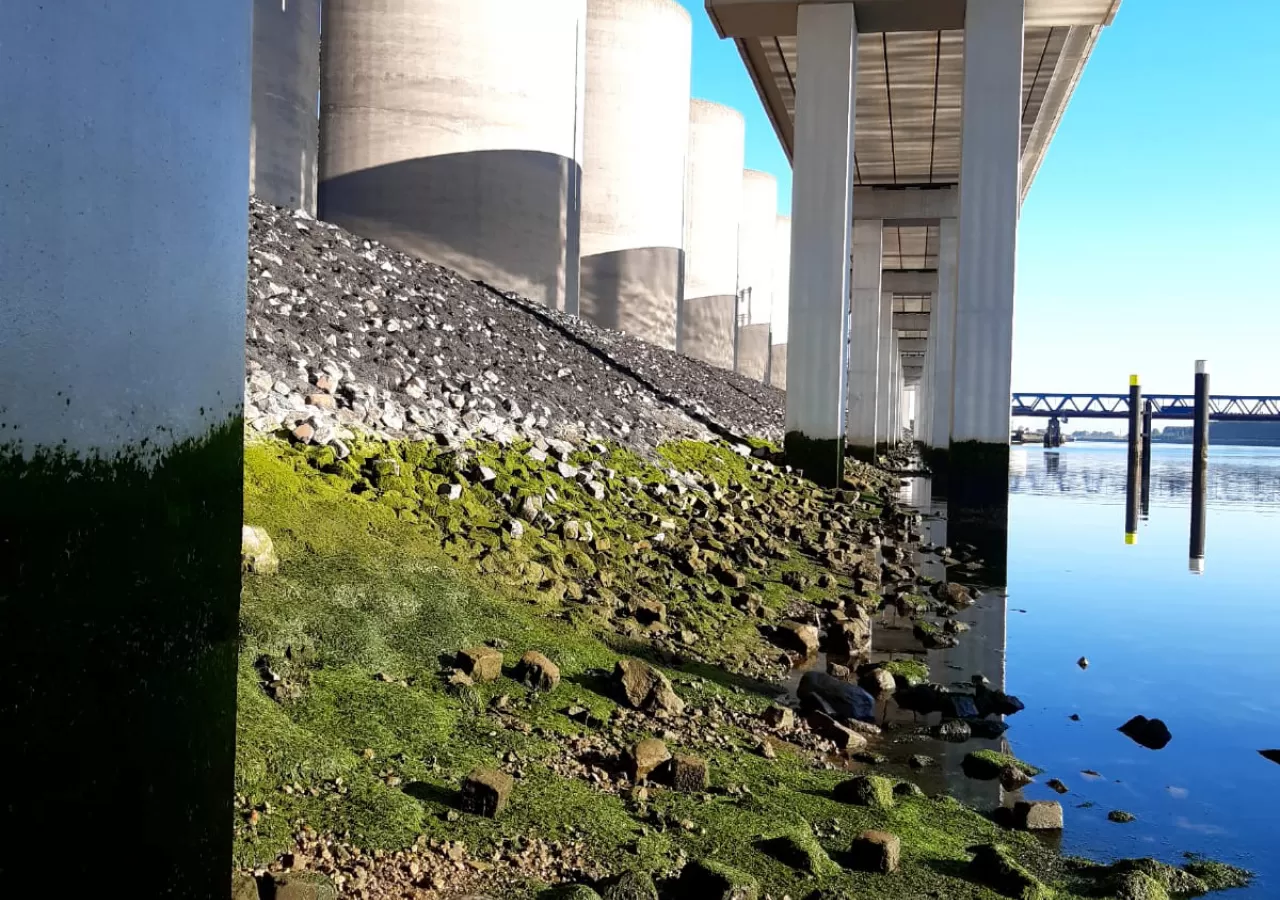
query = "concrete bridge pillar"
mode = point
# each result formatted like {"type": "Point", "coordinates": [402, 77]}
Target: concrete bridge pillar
{"type": "Point", "coordinates": [864, 337]}
{"type": "Point", "coordinates": [821, 221]}
{"type": "Point", "coordinates": [884, 377]}
{"type": "Point", "coordinates": [123, 228]}
{"type": "Point", "coordinates": [942, 325]}
{"type": "Point", "coordinates": [985, 274]}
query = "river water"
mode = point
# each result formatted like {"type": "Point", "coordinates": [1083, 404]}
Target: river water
{"type": "Point", "coordinates": [1198, 651]}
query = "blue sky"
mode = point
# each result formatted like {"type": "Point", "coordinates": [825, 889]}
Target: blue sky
{"type": "Point", "coordinates": [1151, 236]}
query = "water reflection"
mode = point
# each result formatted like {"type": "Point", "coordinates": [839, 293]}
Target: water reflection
{"type": "Point", "coordinates": [1075, 590]}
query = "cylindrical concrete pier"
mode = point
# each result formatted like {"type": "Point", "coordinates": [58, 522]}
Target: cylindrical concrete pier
{"type": "Point", "coordinates": [1134, 462]}
{"type": "Point", "coordinates": [123, 229]}
{"type": "Point", "coordinates": [636, 136]}
{"type": "Point", "coordinates": [1145, 500]}
{"type": "Point", "coordinates": [284, 134]}
{"type": "Point", "coordinates": [453, 131]}
{"type": "Point", "coordinates": [780, 304]}
{"type": "Point", "coordinates": [756, 229]}
{"type": "Point", "coordinates": [708, 310]}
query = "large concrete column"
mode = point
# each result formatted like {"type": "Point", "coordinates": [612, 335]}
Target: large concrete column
{"type": "Point", "coordinates": [123, 227]}
{"type": "Point", "coordinates": [988, 227]}
{"type": "Point", "coordinates": [924, 399]}
{"type": "Point", "coordinates": [780, 308]}
{"type": "Point", "coordinates": [942, 324]}
{"type": "Point", "coordinates": [756, 229]}
{"type": "Point", "coordinates": [884, 373]}
{"type": "Point", "coordinates": [821, 221]}
{"type": "Point", "coordinates": [864, 337]}
{"type": "Point", "coordinates": [285, 131]}
{"type": "Point", "coordinates": [895, 388]}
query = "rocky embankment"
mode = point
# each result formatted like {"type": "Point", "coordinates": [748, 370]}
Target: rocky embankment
{"type": "Point", "coordinates": [513, 633]}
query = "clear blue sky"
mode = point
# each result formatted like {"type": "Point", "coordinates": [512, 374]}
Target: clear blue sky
{"type": "Point", "coordinates": [1151, 236]}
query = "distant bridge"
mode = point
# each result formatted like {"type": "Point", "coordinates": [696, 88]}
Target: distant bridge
{"type": "Point", "coordinates": [1164, 406]}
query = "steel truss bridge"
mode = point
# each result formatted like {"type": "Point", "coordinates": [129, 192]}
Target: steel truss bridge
{"type": "Point", "coordinates": [1163, 406]}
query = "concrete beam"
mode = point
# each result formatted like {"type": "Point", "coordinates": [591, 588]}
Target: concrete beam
{"type": "Point", "coordinates": [912, 346]}
{"type": "Point", "coordinates": [906, 206]}
{"type": "Point", "coordinates": [911, 321]}
{"type": "Point", "coordinates": [770, 18]}
{"type": "Point", "coordinates": [913, 281]}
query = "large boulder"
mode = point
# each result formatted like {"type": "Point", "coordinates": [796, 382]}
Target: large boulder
{"type": "Point", "coordinates": [1150, 733]}
{"type": "Point", "coordinates": [645, 688]}
{"type": "Point", "coordinates": [837, 698]}
{"type": "Point", "coordinates": [257, 552]}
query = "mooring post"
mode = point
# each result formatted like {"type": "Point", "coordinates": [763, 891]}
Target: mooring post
{"type": "Point", "coordinates": [1199, 466]}
{"type": "Point", "coordinates": [1146, 458]}
{"type": "Point", "coordinates": [1135, 461]}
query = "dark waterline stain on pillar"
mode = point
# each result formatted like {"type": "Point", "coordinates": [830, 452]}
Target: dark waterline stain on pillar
{"type": "Point", "coordinates": [977, 486]}
{"type": "Point", "coordinates": [119, 601]}
{"type": "Point", "coordinates": [820, 459]}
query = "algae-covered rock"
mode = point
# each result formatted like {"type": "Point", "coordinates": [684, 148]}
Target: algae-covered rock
{"type": "Point", "coordinates": [1120, 816]}
{"type": "Point", "coordinates": [631, 886]}
{"type": "Point", "coordinates": [820, 691]}
{"type": "Point", "coordinates": [1136, 886]}
{"type": "Point", "coordinates": [842, 736]}
{"type": "Point", "coordinates": [993, 866]}
{"type": "Point", "coordinates": [481, 663]}
{"type": "Point", "coordinates": [796, 636]}
{"type": "Point", "coordinates": [647, 756]}
{"type": "Point", "coordinates": [874, 791]}
{"type": "Point", "coordinates": [569, 892]}
{"type": "Point", "coordinates": [689, 773]}
{"type": "Point", "coordinates": [832, 894]}
{"type": "Point", "coordinates": [875, 851]}
{"type": "Point", "coordinates": [304, 886]}
{"type": "Point", "coordinates": [244, 887]}
{"type": "Point", "coordinates": [711, 880]}
{"type": "Point", "coordinates": [986, 765]}
{"type": "Point", "coordinates": [801, 851]}
{"type": "Point", "coordinates": [1219, 876]}
{"type": "Point", "coordinates": [257, 551]}
{"type": "Point", "coordinates": [1175, 881]}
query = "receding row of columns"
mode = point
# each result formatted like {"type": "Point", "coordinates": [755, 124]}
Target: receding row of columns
{"type": "Point", "coordinates": [845, 379]}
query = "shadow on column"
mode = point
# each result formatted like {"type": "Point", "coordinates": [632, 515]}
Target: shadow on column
{"type": "Point", "coordinates": [973, 479]}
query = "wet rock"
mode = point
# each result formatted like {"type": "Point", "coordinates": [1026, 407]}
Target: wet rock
{"type": "Point", "coordinates": [879, 682]}
{"type": "Point", "coordinates": [485, 792]}
{"type": "Point", "coordinates": [796, 636]}
{"type": "Point", "coordinates": [874, 791]}
{"type": "Point", "coordinates": [842, 736]}
{"type": "Point", "coordinates": [645, 688]}
{"type": "Point", "coordinates": [933, 637]}
{"type": "Point", "coordinates": [572, 892]}
{"type": "Point", "coordinates": [1273, 755]}
{"type": "Point", "coordinates": [631, 886]}
{"type": "Point", "coordinates": [648, 610]}
{"type": "Point", "coordinates": [537, 672]}
{"type": "Point", "coordinates": [953, 594]}
{"type": "Point", "coordinates": [954, 731]}
{"type": "Point", "coordinates": [710, 880]}
{"type": "Point", "coordinates": [920, 761]}
{"type": "Point", "coordinates": [800, 851]}
{"type": "Point", "coordinates": [996, 703]}
{"type": "Point", "coordinates": [1057, 786]}
{"type": "Point", "coordinates": [875, 851]}
{"type": "Point", "coordinates": [781, 717]}
{"type": "Point", "coordinates": [689, 773]}
{"type": "Point", "coordinates": [907, 789]}
{"type": "Point", "coordinates": [304, 886]}
{"type": "Point", "coordinates": [820, 691]}
{"type": "Point", "coordinates": [993, 866]}
{"type": "Point", "coordinates": [244, 887]}
{"type": "Point", "coordinates": [257, 551]}
{"type": "Point", "coordinates": [481, 663]}
{"type": "Point", "coordinates": [1013, 778]}
{"type": "Point", "coordinates": [1038, 815]}
{"type": "Point", "coordinates": [1175, 881]}
{"type": "Point", "coordinates": [986, 729]}
{"type": "Point", "coordinates": [1082, 663]}
{"type": "Point", "coordinates": [647, 757]}
{"type": "Point", "coordinates": [850, 638]}
{"type": "Point", "coordinates": [1120, 816]}
{"type": "Point", "coordinates": [1150, 733]}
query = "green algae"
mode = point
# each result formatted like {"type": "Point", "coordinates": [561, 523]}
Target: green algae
{"type": "Point", "coordinates": [1218, 876]}
{"type": "Point", "coordinates": [908, 670]}
{"type": "Point", "coordinates": [369, 604]}
{"type": "Point", "coordinates": [986, 765]}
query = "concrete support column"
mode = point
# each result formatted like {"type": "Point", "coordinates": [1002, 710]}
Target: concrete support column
{"type": "Point", "coordinates": [895, 390]}
{"type": "Point", "coordinates": [942, 325]}
{"type": "Point", "coordinates": [821, 221]}
{"type": "Point", "coordinates": [123, 231]}
{"type": "Point", "coordinates": [864, 337]}
{"type": "Point", "coordinates": [884, 372]}
{"type": "Point", "coordinates": [988, 226]}
{"type": "Point", "coordinates": [924, 390]}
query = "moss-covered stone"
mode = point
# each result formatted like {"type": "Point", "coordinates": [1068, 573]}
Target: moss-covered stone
{"type": "Point", "coordinates": [1175, 881]}
{"type": "Point", "coordinates": [874, 791]}
{"type": "Point", "coordinates": [986, 765]}
{"type": "Point", "coordinates": [908, 670]}
{"type": "Point", "coordinates": [631, 886]}
{"type": "Point", "coordinates": [1218, 876]}
{"type": "Point", "coordinates": [801, 851]}
{"type": "Point", "coordinates": [717, 881]}
{"type": "Point", "coordinates": [993, 866]}
{"type": "Point", "coordinates": [1137, 886]}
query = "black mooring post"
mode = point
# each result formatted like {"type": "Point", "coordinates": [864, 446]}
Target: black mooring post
{"type": "Point", "coordinates": [1199, 466]}
{"type": "Point", "coordinates": [1146, 458]}
{"type": "Point", "coordinates": [1135, 461]}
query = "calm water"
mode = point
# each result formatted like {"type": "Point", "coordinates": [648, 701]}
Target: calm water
{"type": "Point", "coordinates": [1198, 651]}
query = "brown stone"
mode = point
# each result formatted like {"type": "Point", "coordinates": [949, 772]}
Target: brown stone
{"type": "Point", "coordinates": [304, 886]}
{"type": "Point", "coordinates": [843, 737]}
{"type": "Point", "coordinates": [323, 401]}
{"type": "Point", "coordinates": [647, 756]}
{"type": "Point", "coordinates": [797, 636]}
{"type": "Point", "coordinates": [645, 688]}
{"type": "Point", "coordinates": [875, 851]}
{"type": "Point", "coordinates": [244, 887]}
{"type": "Point", "coordinates": [780, 717]}
{"type": "Point", "coordinates": [648, 610]}
{"type": "Point", "coordinates": [538, 672]}
{"type": "Point", "coordinates": [324, 383]}
{"type": "Point", "coordinates": [689, 773]}
{"type": "Point", "coordinates": [303, 433]}
{"type": "Point", "coordinates": [1013, 779]}
{"type": "Point", "coordinates": [1038, 815]}
{"type": "Point", "coordinates": [481, 663]}
{"type": "Point", "coordinates": [879, 682]}
{"type": "Point", "coordinates": [485, 792]}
